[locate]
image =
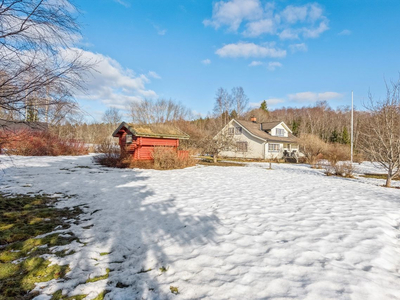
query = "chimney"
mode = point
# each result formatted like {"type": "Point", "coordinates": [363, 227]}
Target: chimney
{"type": "Point", "coordinates": [253, 119]}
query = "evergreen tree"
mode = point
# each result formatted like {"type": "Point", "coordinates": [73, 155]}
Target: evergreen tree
{"type": "Point", "coordinates": [295, 127]}
{"type": "Point", "coordinates": [233, 114]}
{"type": "Point", "coordinates": [334, 138]}
{"type": "Point", "coordinates": [345, 139]}
{"type": "Point", "coordinates": [264, 106]}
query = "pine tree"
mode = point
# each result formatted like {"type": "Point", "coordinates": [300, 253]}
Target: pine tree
{"type": "Point", "coordinates": [345, 139]}
{"type": "Point", "coordinates": [264, 106]}
{"type": "Point", "coordinates": [334, 138]}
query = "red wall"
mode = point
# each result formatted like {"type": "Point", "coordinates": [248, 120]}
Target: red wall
{"type": "Point", "coordinates": [141, 148]}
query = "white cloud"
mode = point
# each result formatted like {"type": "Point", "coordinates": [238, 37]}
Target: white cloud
{"type": "Point", "coordinates": [289, 34]}
{"type": "Point", "coordinates": [257, 28]}
{"type": "Point", "coordinates": [206, 61]}
{"type": "Point", "coordinates": [314, 97]}
{"type": "Point", "coordinates": [154, 75]}
{"type": "Point", "coordinates": [233, 13]}
{"type": "Point", "coordinates": [113, 84]}
{"type": "Point", "coordinates": [246, 50]}
{"type": "Point", "coordinates": [316, 32]}
{"type": "Point", "coordinates": [302, 47]}
{"type": "Point", "coordinates": [160, 31]}
{"type": "Point", "coordinates": [345, 32]}
{"type": "Point", "coordinates": [273, 65]}
{"type": "Point", "coordinates": [255, 63]}
{"type": "Point", "coordinates": [124, 3]}
{"type": "Point", "coordinates": [293, 14]}
{"type": "Point", "coordinates": [254, 19]}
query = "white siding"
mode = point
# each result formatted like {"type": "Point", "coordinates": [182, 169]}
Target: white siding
{"type": "Point", "coordinates": [255, 146]}
{"type": "Point", "coordinates": [280, 126]}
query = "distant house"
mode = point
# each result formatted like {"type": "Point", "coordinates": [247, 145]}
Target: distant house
{"type": "Point", "coordinates": [260, 140]}
{"type": "Point", "coordinates": [138, 140]}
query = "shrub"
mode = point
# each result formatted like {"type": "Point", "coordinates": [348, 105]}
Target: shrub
{"type": "Point", "coordinates": [312, 147]}
{"type": "Point", "coordinates": [110, 155]}
{"type": "Point", "coordinates": [342, 169]}
{"type": "Point", "coordinates": [168, 158]}
{"type": "Point", "coordinates": [44, 144]}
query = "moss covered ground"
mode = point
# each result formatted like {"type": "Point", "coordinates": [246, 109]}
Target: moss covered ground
{"type": "Point", "coordinates": [22, 219]}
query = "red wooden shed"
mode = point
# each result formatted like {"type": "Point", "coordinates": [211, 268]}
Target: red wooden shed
{"type": "Point", "coordinates": [139, 140]}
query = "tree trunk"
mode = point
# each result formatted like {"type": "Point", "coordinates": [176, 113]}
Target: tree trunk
{"type": "Point", "coordinates": [215, 158]}
{"type": "Point", "coordinates": [389, 178]}
{"type": "Point", "coordinates": [388, 181]}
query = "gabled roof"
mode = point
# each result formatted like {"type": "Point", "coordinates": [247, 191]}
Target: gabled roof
{"type": "Point", "coordinates": [255, 129]}
{"type": "Point", "coordinates": [21, 125]}
{"type": "Point", "coordinates": [152, 130]}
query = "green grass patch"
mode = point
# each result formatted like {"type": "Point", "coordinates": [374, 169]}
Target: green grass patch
{"type": "Point", "coordinates": [59, 296]}
{"type": "Point", "coordinates": [94, 279]}
{"type": "Point", "coordinates": [22, 219]}
{"type": "Point", "coordinates": [104, 253]}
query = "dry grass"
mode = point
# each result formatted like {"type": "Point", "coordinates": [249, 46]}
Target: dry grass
{"type": "Point", "coordinates": [379, 176]}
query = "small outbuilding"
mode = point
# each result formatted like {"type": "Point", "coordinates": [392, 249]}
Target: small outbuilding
{"type": "Point", "coordinates": [139, 140]}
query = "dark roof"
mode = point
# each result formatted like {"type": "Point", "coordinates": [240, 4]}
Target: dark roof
{"type": "Point", "coordinates": [254, 129]}
{"type": "Point", "coordinates": [153, 130]}
{"type": "Point", "coordinates": [269, 125]}
{"type": "Point", "coordinates": [21, 125]}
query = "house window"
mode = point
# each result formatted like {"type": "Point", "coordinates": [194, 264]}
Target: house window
{"type": "Point", "coordinates": [241, 146]}
{"type": "Point", "coordinates": [231, 130]}
{"type": "Point", "coordinates": [238, 130]}
{"type": "Point", "coordinates": [273, 147]}
{"type": "Point", "coordinates": [280, 132]}
{"type": "Point", "coordinates": [128, 139]}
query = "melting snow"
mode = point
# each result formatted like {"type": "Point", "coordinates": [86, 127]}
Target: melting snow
{"type": "Point", "coordinates": [220, 232]}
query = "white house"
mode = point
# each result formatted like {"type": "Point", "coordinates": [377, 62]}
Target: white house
{"type": "Point", "coordinates": [259, 140]}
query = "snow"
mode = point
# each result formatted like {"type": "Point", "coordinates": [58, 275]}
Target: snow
{"type": "Point", "coordinates": [221, 232]}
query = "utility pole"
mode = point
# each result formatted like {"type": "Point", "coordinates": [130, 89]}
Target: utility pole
{"type": "Point", "coordinates": [352, 127]}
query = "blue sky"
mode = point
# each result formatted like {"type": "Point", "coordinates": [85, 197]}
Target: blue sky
{"type": "Point", "coordinates": [290, 53]}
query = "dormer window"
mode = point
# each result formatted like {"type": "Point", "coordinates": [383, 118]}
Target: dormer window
{"type": "Point", "coordinates": [280, 132]}
{"type": "Point", "coordinates": [231, 130]}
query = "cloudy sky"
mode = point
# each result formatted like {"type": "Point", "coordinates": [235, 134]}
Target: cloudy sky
{"type": "Point", "coordinates": [290, 53]}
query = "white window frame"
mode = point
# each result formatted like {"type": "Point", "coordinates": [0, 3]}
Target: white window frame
{"type": "Point", "coordinates": [274, 147]}
{"type": "Point", "coordinates": [231, 130]}
{"type": "Point", "coordinates": [280, 132]}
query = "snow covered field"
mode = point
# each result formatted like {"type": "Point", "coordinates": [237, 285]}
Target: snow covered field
{"type": "Point", "coordinates": [221, 232]}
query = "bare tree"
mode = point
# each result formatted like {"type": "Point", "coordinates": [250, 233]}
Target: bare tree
{"type": "Point", "coordinates": [112, 116]}
{"type": "Point", "coordinates": [240, 101]}
{"type": "Point", "coordinates": [215, 140]}
{"type": "Point", "coordinates": [38, 66]}
{"type": "Point", "coordinates": [380, 134]}
{"type": "Point", "coordinates": [223, 105]}
{"type": "Point", "coordinates": [158, 111]}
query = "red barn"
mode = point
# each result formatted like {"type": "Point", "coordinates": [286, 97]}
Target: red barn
{"type": "Point", "coordinates": [139, 140]}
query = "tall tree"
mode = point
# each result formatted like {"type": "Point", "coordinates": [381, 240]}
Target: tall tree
{"type": "Point", "coordinates": [150, 111]}
{"type": "Point", "coordinates": [264, 106]}
{"type": "Point", "coordinates": [239, 101]}
{"type": "Point", "coordinates": [223, 105]}
{"type": "Point", "coordinates": [380, 133]}
{"type": "Point", "coordinates": [37, 58]}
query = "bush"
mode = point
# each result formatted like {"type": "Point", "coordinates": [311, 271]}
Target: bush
{"type": "Point", "coordinates": [313, 148]}
{"type": "Point", "coordinates": [43, 144]}
{"type": "Point", "coordinates": [110, 155]}
{"type": "Point", "coordinates": [342, 169]}
{"type": "Point", "coordinates": [168, 158]}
